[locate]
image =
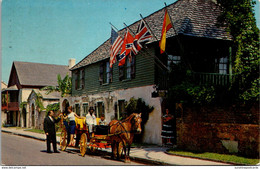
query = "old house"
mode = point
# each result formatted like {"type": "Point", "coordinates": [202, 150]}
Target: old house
{"type": "Point", "coordinates": [3, 115]}
{"type": "Point", "coordinates": [24, 77]}
{"type": "Point", "coordinates": [195, 40]}
{"type": "Point", "coordinates": [36, 116]}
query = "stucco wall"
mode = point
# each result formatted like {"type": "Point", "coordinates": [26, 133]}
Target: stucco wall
{"type": "Point", "coordinates": [3, 117]}
{"type": "Point", "coordinates": [152, 131]}
{"type": "Point", "coordinates": [39, 116]}
{"type": "Point", "coordinates": [24, 94]}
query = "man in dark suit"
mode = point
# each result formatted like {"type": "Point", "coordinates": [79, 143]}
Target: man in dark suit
{"type": "Point", "coordinates": [49, 129]}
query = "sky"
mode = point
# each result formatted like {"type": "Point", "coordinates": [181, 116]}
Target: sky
{"type": "Point", "coordinates": [53, 31]}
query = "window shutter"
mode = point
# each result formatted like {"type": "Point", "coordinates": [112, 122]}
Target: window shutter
{"type": "Point", "coordinates": [110, 74]}
{"type": "Point", "coordinates": [101, 72]}
{"type": "Point", "coordinates": [121, 72]}
{"type": "Point", "coordinates": [133, 67]}
{"type": "Point", "coordinates": [76, 80]}
{"type": "Point", "coordinates": [83, 78]}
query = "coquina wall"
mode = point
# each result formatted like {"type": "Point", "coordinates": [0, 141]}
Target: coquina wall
{"type": "Point", "coordinates": [152, 130]}
{"type": "Point", "coordinates": [233, 130]}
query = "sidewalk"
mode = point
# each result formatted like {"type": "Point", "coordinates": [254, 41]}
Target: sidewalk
{"type": "Point", "coordinates": [153, 155]}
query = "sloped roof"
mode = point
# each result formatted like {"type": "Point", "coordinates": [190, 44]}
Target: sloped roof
{"type": "Point", "coordinates": [11, 88]}
{"type": "Point", "coordinates": [3, 85]}
{"type": "Point", "coordinates": [52, 95]}
{"type": "Point", "coordinates": [39, 74]}
{"type": "Point", "coordinates": [190, 17]}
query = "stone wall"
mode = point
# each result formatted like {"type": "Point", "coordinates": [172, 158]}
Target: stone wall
{"type": "Point", "coordinates": [152, 129]}
{"type": "Point", "coordinates": [233, 130]}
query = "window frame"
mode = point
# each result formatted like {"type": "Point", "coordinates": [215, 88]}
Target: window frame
{"type": "Point", "coordinates": [98, 113]}
{"type": "Point", "coordinates": [77, 105]}
{"type": "Point", "coordinates": [85, 112]}
{"type": "Point", "coordinates": [105, 73]}
{"type": "Point", "coordinates": [222, 65]}
{"type": "Point", "coordinates": [127, 71]}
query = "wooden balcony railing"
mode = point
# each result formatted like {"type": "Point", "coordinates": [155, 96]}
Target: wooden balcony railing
{"type": "Point", "coordinates": [212, 78]}
{"type": "Point", "coordinates": [12, 106]}
{"type": "Point", "coordinates": [199, 78]}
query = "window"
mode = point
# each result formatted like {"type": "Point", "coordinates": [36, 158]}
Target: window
{"type": "Point", "coordinates": [80, 79]}
{"type": "Point", "coordinates": [105, 73]}
{"type": "Point", "coordinates": [82, 74]}
{"type": "Point", "coordinates": [100, 109]}
{"type": "Point", "coordinates": [85, 109]}
{"type": "Point", "coordinates": [173, 60]}
{"type": "Point", "coordinates": [77, 82]}
{"type": "Point", "coordinates": [77, 107]}
{"type": "Point", "coordinates": [127, 71]}
{"type": "Point", "coordinates": [121, 104]}
{"type": "Point", "coordinates": [222, 65]}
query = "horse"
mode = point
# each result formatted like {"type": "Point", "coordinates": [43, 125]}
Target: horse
{"type": "Point", "coordinates": [122, 134]}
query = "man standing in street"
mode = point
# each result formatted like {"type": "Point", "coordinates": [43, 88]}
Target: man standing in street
{"type": "Point", "coordinates": [49, 129]}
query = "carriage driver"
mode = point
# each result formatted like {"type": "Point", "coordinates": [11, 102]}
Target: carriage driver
{"type": "Point", "coordinates": [91, 120]}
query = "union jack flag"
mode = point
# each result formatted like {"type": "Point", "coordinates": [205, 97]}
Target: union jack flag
{"type": "Point", "coordinates": [126, 48]}
{"type": "Point", "coordinates": [116, 42]}
{"type": "Point", "coordinates": [142, 36]}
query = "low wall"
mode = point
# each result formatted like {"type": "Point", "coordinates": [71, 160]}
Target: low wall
{"type": "Point", "coordinates": [233, 130]}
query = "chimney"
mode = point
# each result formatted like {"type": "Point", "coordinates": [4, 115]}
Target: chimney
{"type": "Point", "coordinates": [72, 62]}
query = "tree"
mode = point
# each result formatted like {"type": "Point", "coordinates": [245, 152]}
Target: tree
{"type": "Point", "coordinates": [238, 18]}
{"type": "Point", "coordinates": [139, 106]}
{"type": "Point", "coordinates": [64, 86]}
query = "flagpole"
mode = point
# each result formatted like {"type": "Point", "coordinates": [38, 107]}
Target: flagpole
{"type": "Point", "coordinates": [170, 18]}
{"type": "Point", "coordinates": [146, 50]}
{"type": "Point", "coordinates": [156, 40]}
{"type": "Point", "coordinates": [178, 40]}
{"type": "Point", "coordinates": [116, 29]}
{"type": "Point", "coordinates": [129, 29]}
{"type": "Point", "coordinates": [149, 27]}
{"type": "Point", "coordinates": [113, 26]}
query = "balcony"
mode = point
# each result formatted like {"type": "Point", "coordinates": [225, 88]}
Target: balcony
{"type": "Point", "coordinates": [215, 79]}
{"type": "Point", "coordinates": [199, 78]}
{"type": "Point", "coordinates": [11, 106]}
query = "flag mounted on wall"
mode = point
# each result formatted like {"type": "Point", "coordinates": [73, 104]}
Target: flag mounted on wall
{"type": "Point", "coordinates": [166, 26]}
{"type": "Point", "coordinates": [126, 48]}
{"type": "Point", "coordinates": [116, 42]}
{"type": "Point", "coordinates": [142, 36]}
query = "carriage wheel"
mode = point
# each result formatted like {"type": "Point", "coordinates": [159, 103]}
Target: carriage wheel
{"type": "Point", "coordinates": [83, 144]}
{"type": "Point", "coordinates": [63, 140]}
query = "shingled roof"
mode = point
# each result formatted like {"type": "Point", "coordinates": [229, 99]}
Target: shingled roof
{"type": "Point", "coordinates": [196, 18]}
{"type": "Point", "coordinates": [39, 74]}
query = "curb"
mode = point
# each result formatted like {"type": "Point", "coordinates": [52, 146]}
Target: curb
{"type": "Point", "coordinates": [207, 159]}
{"type": "Point", "coordinates": [138, 159]}
{"type": "Point", "coordinates": [24, 135]}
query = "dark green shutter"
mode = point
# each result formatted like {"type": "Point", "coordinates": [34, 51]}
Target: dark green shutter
{"type": "Point", "coordinates": [101, 72]}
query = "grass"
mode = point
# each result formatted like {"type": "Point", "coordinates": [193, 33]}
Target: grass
{"type": "Point", "coordinates": [35, 131]}
{"type": "Point", "coordinates": [218, 157]}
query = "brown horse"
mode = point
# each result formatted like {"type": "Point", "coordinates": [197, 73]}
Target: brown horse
{"type": "Point", "coordinates": [122, 134]}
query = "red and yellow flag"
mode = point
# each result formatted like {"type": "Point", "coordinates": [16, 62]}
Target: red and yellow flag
{"type": "Point", "coordinates": [166, 26]}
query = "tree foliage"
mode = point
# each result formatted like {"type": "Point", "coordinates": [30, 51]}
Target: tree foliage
{"type": "Point", "coordinates": [238, 18]}
{"type": "Point", "coordinates": [54, 107]}
{"type": "Point", "coordinates": [64, 86]}
{"type": "Point", "coordinates": [139, 106]}
{"type": "Point", "coordinates": [38, 102]}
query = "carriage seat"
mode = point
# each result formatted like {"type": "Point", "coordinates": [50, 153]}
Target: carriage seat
{"type": "Point", "coordinates": [101, 129]}
{"type": "Point", "coordinates": [80, 123]}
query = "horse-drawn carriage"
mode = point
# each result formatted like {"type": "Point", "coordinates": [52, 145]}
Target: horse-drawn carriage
{"type": "Point", "coordinates": [118, 135]}
{"type": "Point", "coordinates": [84, 140]}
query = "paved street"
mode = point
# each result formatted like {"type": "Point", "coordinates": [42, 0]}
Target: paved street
{"type": "Point", "coordinates": [23, 151]}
